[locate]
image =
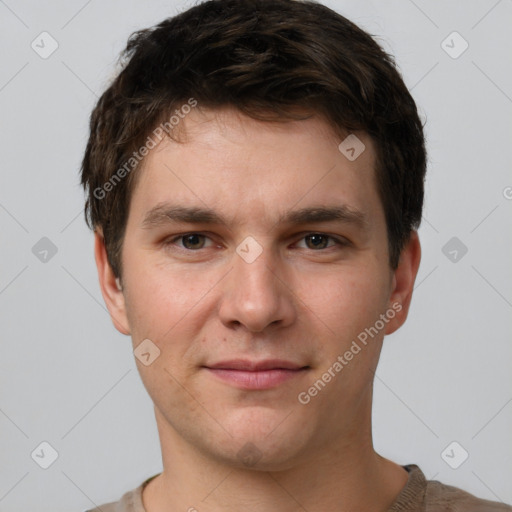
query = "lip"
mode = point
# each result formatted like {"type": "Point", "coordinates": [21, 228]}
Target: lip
{"type": "Point", "coordinates": [256, 375]}
{"type": "Point", "coordinates": [254, 366]}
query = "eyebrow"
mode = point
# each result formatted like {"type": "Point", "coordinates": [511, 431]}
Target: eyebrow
{"type": "Point", "coordinates": [164, 213]}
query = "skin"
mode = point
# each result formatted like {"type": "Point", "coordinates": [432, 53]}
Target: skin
{"type": "Point", "coordinates": [200, 303]}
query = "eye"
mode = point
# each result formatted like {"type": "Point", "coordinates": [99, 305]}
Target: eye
{"type": "Point", "coordinates": [195, 241]}
{"type": "Point", "coordinates": [189, 241]}
{"type": "Point", "coordinates": [317, 241]}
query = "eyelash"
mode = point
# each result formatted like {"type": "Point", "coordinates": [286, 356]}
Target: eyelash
{"type": "Point", "coordinates": [340, 242]}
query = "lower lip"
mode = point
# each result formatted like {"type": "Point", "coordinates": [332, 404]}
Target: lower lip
{"type": "Point", "coordinates": [263, 379]}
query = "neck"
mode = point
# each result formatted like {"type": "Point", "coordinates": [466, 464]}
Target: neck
{"type": "Point", "coordinates": [348, 475]}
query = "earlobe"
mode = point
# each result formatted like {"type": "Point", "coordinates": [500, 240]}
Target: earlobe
{"type": "Point", "coordinates": [403, 282]}
{"type": "Point", "coordinates": [111, 287]}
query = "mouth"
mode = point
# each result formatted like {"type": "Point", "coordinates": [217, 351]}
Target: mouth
{"type": "Point", "coordinates": [256, 375]}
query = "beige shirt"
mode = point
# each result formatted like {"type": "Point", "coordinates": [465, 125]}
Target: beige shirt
{"type": "Point", "coordinates": [418, 495]}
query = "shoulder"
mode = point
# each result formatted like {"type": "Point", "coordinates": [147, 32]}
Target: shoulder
{"type": "Point", "coordinates": [131, 501]}
{"type": "Point", "coordinates": [125, 504]}
{"type": "Point", "coordinates": [422, 495]}
{"type": "Point", "coordinates": [440, 497]}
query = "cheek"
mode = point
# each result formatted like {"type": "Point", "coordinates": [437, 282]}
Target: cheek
{"type": "Point", "coordinates": [345, 311]}
{"type": "Point", "coordinates": [170, 307]}
{"type": "Point", "coordinates": [350, 300]}
{"type": "Point", "coordinates": [161, 299]}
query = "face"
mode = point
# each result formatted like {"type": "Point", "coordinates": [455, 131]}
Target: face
{"type": "Point", "coordinates": [256, 267]}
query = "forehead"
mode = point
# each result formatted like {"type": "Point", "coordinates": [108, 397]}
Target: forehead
{"type": "Point", "coordinates": [231, 163]}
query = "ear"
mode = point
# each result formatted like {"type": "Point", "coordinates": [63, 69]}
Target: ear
{"type": "Point", "coordinates": [403, 282]}
{"type": "Point", "coordinates": [110, 286]}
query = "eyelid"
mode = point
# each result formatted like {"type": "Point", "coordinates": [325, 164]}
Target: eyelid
{"type": "Point", "coordinates": [337, 239]}
{"type": "Point", "coordinates": [172, 240]}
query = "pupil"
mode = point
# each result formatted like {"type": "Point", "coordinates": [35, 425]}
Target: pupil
{"type": "Point", "coordinates": [317, 240]}
{"type": "Point", "coordinates": [192, 240]}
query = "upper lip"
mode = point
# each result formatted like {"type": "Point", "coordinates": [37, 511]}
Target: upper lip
{"type": "Point", "coordinates": [254, 366]}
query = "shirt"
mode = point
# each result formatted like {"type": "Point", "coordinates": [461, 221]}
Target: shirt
{"type": "Point", "coordinates": [418, 495]}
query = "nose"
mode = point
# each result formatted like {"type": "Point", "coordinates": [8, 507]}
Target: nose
{"type": "Point", "coordinates": [256, 294]}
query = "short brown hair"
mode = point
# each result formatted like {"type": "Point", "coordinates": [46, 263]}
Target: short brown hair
{"type": "Point", "coordinates": [265, 58]}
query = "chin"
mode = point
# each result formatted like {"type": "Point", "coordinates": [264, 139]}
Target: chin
{"type": "Point", "coordinates": [264, 440]}
{"type": "Point", "coordinates": [260, 455]}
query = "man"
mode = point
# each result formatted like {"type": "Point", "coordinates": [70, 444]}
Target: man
{"type": "Point", "coordinates": [255, 182]}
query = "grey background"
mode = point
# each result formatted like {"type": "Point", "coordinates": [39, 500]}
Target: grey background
{"type": "Point", "coordinates": [67, 377]}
